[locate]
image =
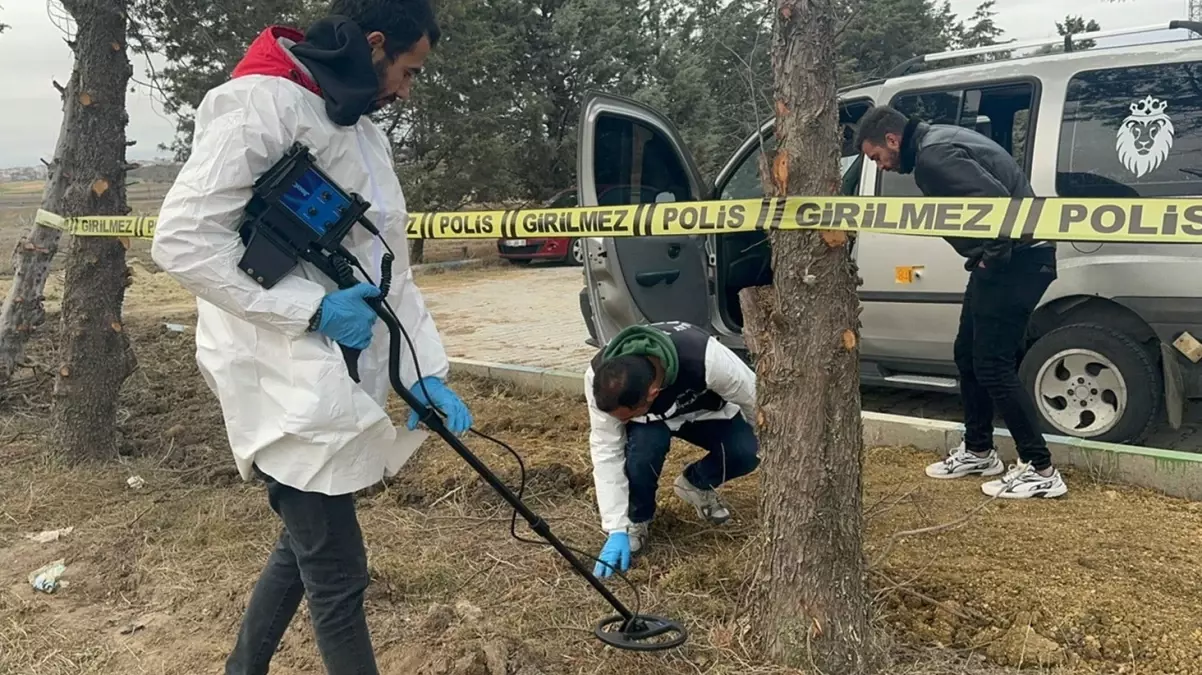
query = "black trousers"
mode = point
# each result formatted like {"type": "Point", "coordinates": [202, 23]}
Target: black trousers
{"type": "Point", "coordinates": [998, 304]}
{"type": "Point", "coordinates": [319, 556]}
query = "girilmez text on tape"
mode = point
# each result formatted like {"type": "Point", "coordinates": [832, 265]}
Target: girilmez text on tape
{"type": "Point", "coordinates": [1048, 219]}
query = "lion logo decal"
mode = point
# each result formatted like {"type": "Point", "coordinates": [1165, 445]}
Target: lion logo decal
{"type": "Point", "coordinates": [1145, 137]}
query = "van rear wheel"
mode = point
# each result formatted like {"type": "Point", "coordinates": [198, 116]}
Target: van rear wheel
{"type": "Point", "coordinates": [1093, 382]}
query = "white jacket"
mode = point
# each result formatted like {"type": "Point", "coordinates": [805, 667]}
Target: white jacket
{"type": "Point", "coordinates": [289, 405]}
{"type": "Point", "coordinates": [726, 375]}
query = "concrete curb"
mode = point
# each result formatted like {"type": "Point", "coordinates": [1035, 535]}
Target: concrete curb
{"type": "Point", "coordinates": [1174, 473]}
{"type": "Point", "coordinates": [526, 377]}
{"type": "Point", "coordinates": [450, 265]}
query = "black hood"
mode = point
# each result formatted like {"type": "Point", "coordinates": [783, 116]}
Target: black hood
{"type": "Point", "coordinates": [336, 52]}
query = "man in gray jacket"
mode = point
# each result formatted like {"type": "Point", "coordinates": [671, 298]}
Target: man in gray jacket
{"type": "Point", "coordinates": [1007, 278]}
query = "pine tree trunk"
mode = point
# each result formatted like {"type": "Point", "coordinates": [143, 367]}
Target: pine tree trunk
{"type": "Point", "coordinates": [95, 352]}
{"type": "Point", "coordinates": [809, 601]}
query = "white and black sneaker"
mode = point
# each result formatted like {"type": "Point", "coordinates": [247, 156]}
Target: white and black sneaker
{"type": "Point", "coordinates": [708, 504]}
{"type": "Point", "coordinates": [1022, 481]}
{"type": "Point", "coordinates": [638, 536]}
{"type": "Point", "coordinates": [961, 462]}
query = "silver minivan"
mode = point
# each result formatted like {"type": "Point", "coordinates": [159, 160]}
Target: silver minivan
{"type": "Point", "coordinates": [1105, 357]}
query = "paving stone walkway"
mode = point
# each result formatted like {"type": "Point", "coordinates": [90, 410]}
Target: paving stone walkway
{"type": "Point", "coordinates": [525, 316]}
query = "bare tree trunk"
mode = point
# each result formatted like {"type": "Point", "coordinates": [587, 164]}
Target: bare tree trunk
{"type": "Point", "coordinates": [810, 607]}
{"type": "Point", "coordinates": [24, 309]}
{"type": "Point", "coordinates": [417, 251]}
{"type": "Point", "coordinates": [95, 352]}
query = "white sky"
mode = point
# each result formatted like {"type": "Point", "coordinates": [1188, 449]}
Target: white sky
{"type": "Point", "coordinates": [32, 53]}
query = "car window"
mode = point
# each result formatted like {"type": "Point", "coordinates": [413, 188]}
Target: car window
{"type": "Point", "coordinates": [1132, 132]}
{"type": "Point", "coordinates": [1000, 112]}
{"type": "Point", "coordinates": [625, 194]}
{"type": "Point", "coordinates": [564, 201]}
{"type": "Point", "coordinates": [639, 160]}
{"type": "Point", "coordinates": [744, 182]}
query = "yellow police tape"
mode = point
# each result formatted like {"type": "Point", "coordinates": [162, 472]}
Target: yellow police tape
{"type": "Point", "coordinates": [1050, 219]}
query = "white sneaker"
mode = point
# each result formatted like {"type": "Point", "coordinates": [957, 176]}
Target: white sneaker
{"type": "Point", "coordinates": [960, 463]}
{"type": "Point", "coordinates": [1022, 481]}
{"type": "Point", "coordinates": [638, 535]}
{"type": "Point", "coordinates": [709, 506]}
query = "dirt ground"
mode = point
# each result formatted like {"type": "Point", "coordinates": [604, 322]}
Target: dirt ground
{"type": "Point", "coordinates": [1103, 581]}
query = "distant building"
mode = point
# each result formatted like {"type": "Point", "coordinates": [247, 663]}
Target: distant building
{"type": "Point", "coordinates": [22, 174]}
{"type": "Point", "coordinates": [149, 172]}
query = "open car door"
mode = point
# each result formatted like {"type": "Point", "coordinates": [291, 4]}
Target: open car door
{"type": "Point", "coordinates": [630, 154]}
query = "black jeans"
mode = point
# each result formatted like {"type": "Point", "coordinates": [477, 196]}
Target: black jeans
{"type": "Point", "coordinates": [732, 451]}
{"type": "Point", "coordinates": [993, 323]}
{"type": "Point", "coordinates": [320, 556]}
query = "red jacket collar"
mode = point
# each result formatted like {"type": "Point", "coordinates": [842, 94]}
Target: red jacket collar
{"type": "Point", "coordinates": [265, 56]}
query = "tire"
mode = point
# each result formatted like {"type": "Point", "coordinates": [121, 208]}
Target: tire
{"type": "Point", "coordinates": [575, 256]}
{"type": "Point", "coordinates": [1119, 388]}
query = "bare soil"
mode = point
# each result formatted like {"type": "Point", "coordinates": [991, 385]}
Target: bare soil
{"type": "Point", "coordinates": [1103, 581]}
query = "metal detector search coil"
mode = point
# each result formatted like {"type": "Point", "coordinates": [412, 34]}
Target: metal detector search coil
{"type": "Point", "coordinates": [299, 213]}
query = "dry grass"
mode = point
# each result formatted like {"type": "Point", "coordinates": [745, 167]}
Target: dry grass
{"type": "Point", "coordinates": [176, 559]}
{"type": "Point", "coordinates": [20, 201]}
{"type": "Point", "coordinates": [158, 576]}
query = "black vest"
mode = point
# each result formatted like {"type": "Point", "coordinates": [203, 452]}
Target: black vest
{"type": "Point", "coordinates": [689, 393]}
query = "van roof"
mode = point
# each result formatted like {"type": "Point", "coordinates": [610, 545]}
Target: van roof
{"type": "Point", "coordinates": [1010, 66]}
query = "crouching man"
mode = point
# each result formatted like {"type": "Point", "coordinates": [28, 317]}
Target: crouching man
{"type": "Point", "coordinates": [648, 385]}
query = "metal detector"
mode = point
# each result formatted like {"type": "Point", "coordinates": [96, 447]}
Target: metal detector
{"type": "Point", "coordinates": [298, 213]}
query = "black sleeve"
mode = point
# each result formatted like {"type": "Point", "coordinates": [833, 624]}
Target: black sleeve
{"type": "Point", "coordinates": [951, 172]}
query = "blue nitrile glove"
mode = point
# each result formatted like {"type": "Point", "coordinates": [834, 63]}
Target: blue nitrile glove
{"type": "Point", "coordinates": [458, 419]}
{"type": "Point", "coordinates": [615, 555]}
{"type": "Point", "coordinates": [345, 318]}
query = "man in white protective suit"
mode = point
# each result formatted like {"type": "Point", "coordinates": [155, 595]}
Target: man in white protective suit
{"type": "Point", "coordinates": [294, 416]}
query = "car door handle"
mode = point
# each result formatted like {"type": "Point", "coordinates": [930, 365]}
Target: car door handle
{"type": "Point", "coordinates": [653, 278]}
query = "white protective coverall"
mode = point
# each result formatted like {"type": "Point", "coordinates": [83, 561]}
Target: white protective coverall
{"type": "Point", "coordinates": [289, 405]}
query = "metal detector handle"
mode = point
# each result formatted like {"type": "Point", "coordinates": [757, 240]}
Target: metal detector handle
{"type": "Point", "coordinates": [351, 356]}
{"type": "Point", "coordinates": [346, 279]}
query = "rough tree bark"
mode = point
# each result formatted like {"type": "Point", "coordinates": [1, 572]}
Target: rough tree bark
{"type": "Point", "coordinates": [417, 251]}
{"type": "Point", "coordinates": [95, 352]}
{"type": "Point", "coordinates": [809, 604]}
{"type": "Point", "coordinates": [23, 309]}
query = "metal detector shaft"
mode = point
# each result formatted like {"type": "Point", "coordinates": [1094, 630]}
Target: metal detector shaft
{"type": "Point", "coordinates": [299, 213]}
{"type": "Point", "coordinates": [435, 423]}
